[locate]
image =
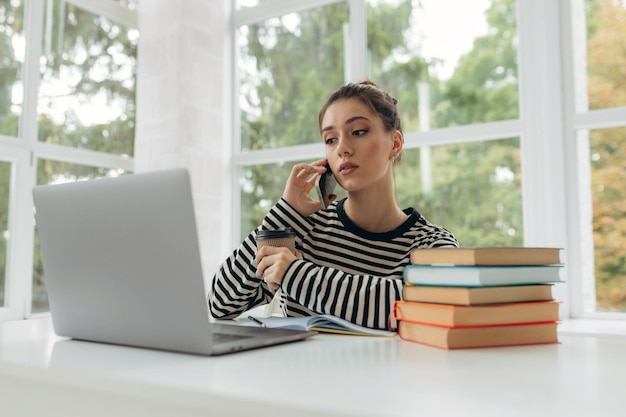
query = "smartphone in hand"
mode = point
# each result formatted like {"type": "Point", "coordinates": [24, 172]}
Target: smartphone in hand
{"type": "Point", "coordinates": [325, 186]}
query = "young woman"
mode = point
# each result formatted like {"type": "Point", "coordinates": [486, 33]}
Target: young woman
{"type": "Point", "coordinates": [349, 256]}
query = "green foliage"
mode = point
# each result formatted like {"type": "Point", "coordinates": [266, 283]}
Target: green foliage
{"type": "Point", "coordinates": [608, 150]}
{"type": "Point", "coordinates": [467, 194]}
{"type": "Point", "coordinates": [103, 55]}
{"type": "Point", "coordinates": [262, 186]}
{"type": "Point", "coordinates": [11, 23]}
{"type": "Point", "coordinates": [294, 66]}
{"type": "Point", "coordinates": [606, 73]}
{"type": "Point", "coordinates": [484, 85]}
{"type": "Point", "coordinates": [478, 202]}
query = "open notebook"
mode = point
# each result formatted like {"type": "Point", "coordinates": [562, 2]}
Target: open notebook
{"type": "Point", "coordinates": [324, 323]}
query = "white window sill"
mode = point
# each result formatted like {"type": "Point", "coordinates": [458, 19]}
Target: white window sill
{"type": "Point", "coordinates": [592, 327]}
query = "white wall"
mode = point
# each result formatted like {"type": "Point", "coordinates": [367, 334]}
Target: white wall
{"type": "Point", "coordinates": [181, 107]}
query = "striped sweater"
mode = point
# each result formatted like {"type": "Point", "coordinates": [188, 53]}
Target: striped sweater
{"type": "Point", "coordinates": [345, 271]}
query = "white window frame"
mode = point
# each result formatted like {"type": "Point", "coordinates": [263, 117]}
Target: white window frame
{"type": "Point", "coordinates": [578, 120]}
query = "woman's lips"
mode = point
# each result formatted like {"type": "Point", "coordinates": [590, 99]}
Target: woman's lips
{"type": "Point", "coordinates": [347, 168]}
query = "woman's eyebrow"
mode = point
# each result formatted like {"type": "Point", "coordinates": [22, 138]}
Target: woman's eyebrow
{"type": "Point", "coordinates": [355, 118]}
{"type": "Point", "coordinates": [347, 122]}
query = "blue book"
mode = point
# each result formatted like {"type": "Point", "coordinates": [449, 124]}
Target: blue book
{"type": "Point", "coordinates": [481, 276]}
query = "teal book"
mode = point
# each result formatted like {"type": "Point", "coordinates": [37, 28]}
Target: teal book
{"type": "Point", "coordinates": [481, 276]}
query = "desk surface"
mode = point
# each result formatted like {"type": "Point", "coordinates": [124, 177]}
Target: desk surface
{"type": "Point", "coordinates": [323, 376]}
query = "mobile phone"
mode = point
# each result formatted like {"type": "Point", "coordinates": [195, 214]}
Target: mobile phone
{"type": "Point", "coordinates": [325, 185]}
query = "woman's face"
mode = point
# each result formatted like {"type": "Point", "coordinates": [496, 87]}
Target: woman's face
{"type": "Point", "coordinates": [358, 148]}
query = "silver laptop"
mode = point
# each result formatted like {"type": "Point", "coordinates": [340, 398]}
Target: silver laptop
{"type": "Point", "coordinates": [122, 265]}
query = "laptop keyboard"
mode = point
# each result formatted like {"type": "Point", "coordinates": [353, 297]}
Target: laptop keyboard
{"type": "Point", "coordinates": [228, 337]}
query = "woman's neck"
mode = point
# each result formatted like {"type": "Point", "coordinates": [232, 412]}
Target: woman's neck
{"type": "Point", "coordinates": [374, 213]}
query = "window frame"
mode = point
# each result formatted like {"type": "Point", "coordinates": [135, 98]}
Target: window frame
{"type": "Point", "coordinates": [578, 120]}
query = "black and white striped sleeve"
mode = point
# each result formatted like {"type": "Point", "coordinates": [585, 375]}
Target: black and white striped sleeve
{"type": "Point", "coordinates": [366, 300]}
{"type": "Point", "coordinates": [235, 287]}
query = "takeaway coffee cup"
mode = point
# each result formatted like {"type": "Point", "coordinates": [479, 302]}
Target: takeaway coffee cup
{"type": "Point", "coordinates": [280, 237]}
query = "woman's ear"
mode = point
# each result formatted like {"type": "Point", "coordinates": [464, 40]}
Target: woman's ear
{"type": "Point", "coordinates": [398, 142]}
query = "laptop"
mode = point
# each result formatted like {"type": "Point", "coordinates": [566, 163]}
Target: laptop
{"type": "Point", "coordinates": [122, 265]}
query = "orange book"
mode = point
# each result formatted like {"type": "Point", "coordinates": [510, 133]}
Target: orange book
{"type": "Point", "coordinates": [511, 255]}
{"type": "Point", "coordinates": [490, 314]}
{"type": "Point", "coordinates": [480, 336]}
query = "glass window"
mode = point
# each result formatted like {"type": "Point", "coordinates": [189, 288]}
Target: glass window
{"type": "Point", "coordinates": [607, 149]}
{"type": "Point", "coordinates": [87, 90]}
{"type": "Point", "coordinates": [5, 182]}
{"type": "Point", "coordinates": [473, 190]}
{"type": "Point", "coordinates": [449, 62]}
{"type": "Point", "coordinates": [260, 187]}
{"type": "Point", "coordinates": [606, 60]}
{"type": "Point", "coordinates": [12, 47]}
{"type": "Point", "coordinates": [53, 172]}
{"type": "Point", "coordinates": [287, 67]}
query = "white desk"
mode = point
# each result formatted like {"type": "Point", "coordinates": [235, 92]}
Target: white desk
{"type": "Point", "coordinates": [43, 374]}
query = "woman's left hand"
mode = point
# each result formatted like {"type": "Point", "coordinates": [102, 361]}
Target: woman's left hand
{"type": "Point", "coordinates": [272, 263]}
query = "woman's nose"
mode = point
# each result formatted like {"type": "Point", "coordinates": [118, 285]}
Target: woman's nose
{"type": "Point", "coordinates": [343, 148]}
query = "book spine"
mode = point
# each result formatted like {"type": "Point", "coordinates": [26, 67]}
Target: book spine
{"type": "Point", "coordinates": [474, 326]}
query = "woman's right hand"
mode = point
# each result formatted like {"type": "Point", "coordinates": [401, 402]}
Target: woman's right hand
{"type": "Point", "coordinates": [299, 184]}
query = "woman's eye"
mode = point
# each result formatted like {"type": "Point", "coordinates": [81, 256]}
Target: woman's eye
{"type": "Point", "coordinates": [359, 132]}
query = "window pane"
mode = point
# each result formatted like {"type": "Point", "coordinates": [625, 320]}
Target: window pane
{"type": "Point", "coordinates": [606, 58]}
{"type": "Point", "coordinates": [287, 67]}
{"type": "Point", "coordinates": [5, 183]}
{"type": "Point", "coordinates": [87, 91]}
{"type": "Point", "coordinates": [473, 190]}
{"type": "Point", "coordinates": [260, 187]}
{"type": "Point", "coordinates": [449, 62]}
{"type": "Point", "coordinates": [52, 172]}
{"type": "Point", "coordinates": [608, 177]}
{"type": "Point", "coordinates": [12, 46]}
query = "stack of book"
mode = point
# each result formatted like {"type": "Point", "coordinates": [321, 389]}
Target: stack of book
{"type": "Point", "coordinates": [480, 297]}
